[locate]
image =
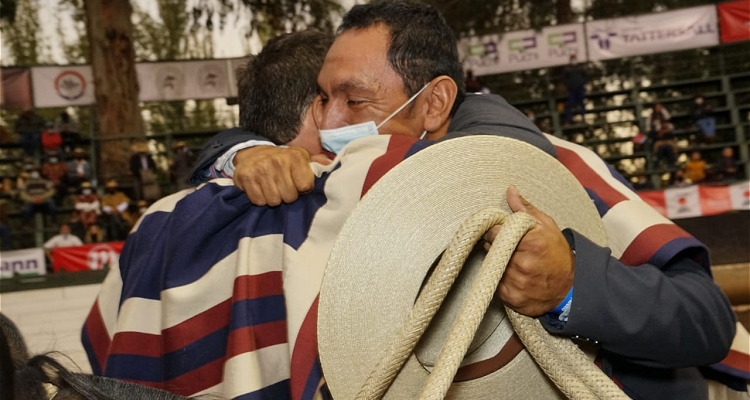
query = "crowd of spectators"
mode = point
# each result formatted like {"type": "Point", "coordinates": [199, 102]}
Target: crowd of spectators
{"type": "Point", "coordinates": [55, 179]}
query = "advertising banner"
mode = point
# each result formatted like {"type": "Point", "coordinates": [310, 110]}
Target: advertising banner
{"type": "Point", "coordinates": [652, 33]}
{"type": "Point", "coordinates": [698, 201]}
{"type": "Point", "coordinates": [16, 89]}
{"type": "Point", "coordinates": [85, 258]}
{"type": "Point", "coordinates": [62, 86]}
{"type": "Point", "coordinates": [734, 19]}
{"type": "Point", "coordinates": [522, 50]}
{"type": "Point", "coordinates": [184, 80]}
{"type": "Point", "coordinates": [24, 262]}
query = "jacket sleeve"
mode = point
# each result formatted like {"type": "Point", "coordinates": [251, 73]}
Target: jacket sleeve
{"type": "Point", "coordinates": [215, 147]}
{"type": "Point", "coordinates": [671, 317]}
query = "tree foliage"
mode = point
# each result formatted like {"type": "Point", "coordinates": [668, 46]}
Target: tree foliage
{"type": "Point", "coordinates": [267, 18]}
{"type": "Point", "coordinates": [22, 34]}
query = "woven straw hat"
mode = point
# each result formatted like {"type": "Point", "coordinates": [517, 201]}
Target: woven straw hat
{"type": "Point", "coordinates": [394, 237]}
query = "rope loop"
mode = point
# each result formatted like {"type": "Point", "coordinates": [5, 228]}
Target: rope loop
{"type": "Point", "coordinates": [560, 359]}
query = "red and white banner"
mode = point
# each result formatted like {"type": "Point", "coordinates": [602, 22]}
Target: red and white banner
{"type": "Point", "coordinates": [15, 93]}
{"type": "Point", "coordinates": [62, 86]}
{"type": "Point", "coordinates": [24, 262]}
{"type": "Point", "coordinates": [734, 19]}
{"type": "Point", "coordinates": [653, 33]}
{"type": "Point", "coordinates": [699, 201]}
{"type": "Point", "coordinates": [522, 50]}
{"type": "Point", "coordinates": [85, 258]}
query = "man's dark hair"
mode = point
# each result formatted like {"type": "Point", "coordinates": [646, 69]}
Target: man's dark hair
{"type": "Point", "coordinates": [278, 85]}
{"type": "Point", "coordinates": [422, 46]}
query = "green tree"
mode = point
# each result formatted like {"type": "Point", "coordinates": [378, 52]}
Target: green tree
{"type": "Point", "coordinates": [22, 34]}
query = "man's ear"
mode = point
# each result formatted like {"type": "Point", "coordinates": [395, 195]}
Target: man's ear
{"type": "Point", "coordinates": [442, 95]}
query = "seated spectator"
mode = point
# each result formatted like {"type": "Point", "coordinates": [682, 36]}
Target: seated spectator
{"type": "Point", "coordinates": [88, 204]}
{"type": "Point", "coordinates": [181, 165]}
{"type": "Point", "coordinates": [641, 182]}
{"type": "Point", "coordinates": [134, 212]}
{"type": "Point", "coordinates": [661, 132]}
{"type": "Point", "coordinates": [37, 194]}
{"type": "Point", "coordinates": [114, 204]}
{"type": "Point", "coordinates": [726, 168]}
{"type": "Point", "coordinates": [5, 242]}
{"type": "Point", "coordinates": [575, 78]}
{"type": "Point", "coordinates": [114, 201]}
{"type": "Point", "coordinates": [94, 234]}
{"type": "Point", "coordinates": [704, 119]}
{"type": "Point", "coordinates": [68, 129]}
{"type": "Point", "coordinates": [695, 169]}
{"type": "Point", "coordinates": [143, 168]}
{"type": "Point", "coordinates": [51, 138]}
{"type": "Point", "coordinates": [26, 166]}
{"type": "Point", "coordinates": [677, 179]}
{"type": "Point", "coordinates": [56, 170]}
{"type": "Point", "coordinates": [62, 239]}
{"type": "Point", "coordinates": [76, 226]}
{"type": "Point", "coordinates": [29, 126]}
{"type": "Point", "coordinates": [473, 85]}
{"type": "Point", "coordinates": [79, 169]}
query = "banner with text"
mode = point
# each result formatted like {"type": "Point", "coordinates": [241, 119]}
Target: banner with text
{"type": "Point", "coordinates": [652, 33]}
{"type": "Point", "coordinates": [184, 80]}
{"type": "Point", "coordinates": [699, 201]}
{"type": "Point", "coordinates": [62, 86]}
{"type": "Point", "coordinates": [521, 50]}
{"type": "Point", "coordinates": [734, 18]}
{"type": "Point", "coordinates": [24, 262]}
{"type": "Point", "coordinates": [85, 258]}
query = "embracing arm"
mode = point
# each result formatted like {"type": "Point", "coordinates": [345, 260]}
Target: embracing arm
{"type": "Point", "coordinates": [671, 317]}
{"type": "Point", "coordinates": [216, 147]}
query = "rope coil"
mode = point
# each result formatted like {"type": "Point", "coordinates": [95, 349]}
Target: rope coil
{"type": "Point", "coordinates": [560, 359]}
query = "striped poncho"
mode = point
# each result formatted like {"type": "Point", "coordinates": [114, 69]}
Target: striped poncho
{"type": "Point", "coordinates": [214, 295]}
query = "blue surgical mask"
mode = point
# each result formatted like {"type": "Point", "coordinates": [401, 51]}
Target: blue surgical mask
{"type": "Point", "coordinates": [334, 140]}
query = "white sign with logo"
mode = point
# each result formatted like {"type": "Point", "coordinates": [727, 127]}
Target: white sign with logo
{"type": "Point", "coordinates": [184, 80]}
{"type": "Point", "coordinates": [521, 50]}
{"type": "Point", "coordinates": [682, 202]}
{"type": "Point", "coordinates": [24, 262]}
{"type": "Point", "coordinates": [653, 33]}
{"type": "Point", "coordinates": [62, 86]}
{"type": "Point", "coordinates": [740, 195]}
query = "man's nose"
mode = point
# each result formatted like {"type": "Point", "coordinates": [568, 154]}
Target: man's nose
{"type": "Point", "coordinates": [331, 116]}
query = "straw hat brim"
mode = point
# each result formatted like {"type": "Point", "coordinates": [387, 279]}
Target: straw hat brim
{"type": "Point", "coordinates": [397, 231]}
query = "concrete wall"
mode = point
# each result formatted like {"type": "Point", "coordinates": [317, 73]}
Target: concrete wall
{"type": "Point", "coordinates": [51, 319]}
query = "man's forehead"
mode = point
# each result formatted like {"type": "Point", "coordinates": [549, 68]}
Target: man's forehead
{"type": "Point", "coordinates": [358, 61]}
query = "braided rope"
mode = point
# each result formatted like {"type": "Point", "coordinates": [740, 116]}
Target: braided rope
{"type": "Point", "coordinates": [563, 362]}
{"type": "Point", "coordinates": [428, 302]}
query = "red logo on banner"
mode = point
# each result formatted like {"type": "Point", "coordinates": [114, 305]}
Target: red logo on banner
{"type": "Point", "coordinates": [101, 256]}
{"type": "Point", "coordinates": [70, 85]}
{"type": "Point", "coordinates": [86, 257]}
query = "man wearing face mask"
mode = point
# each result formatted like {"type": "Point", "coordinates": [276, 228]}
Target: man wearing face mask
{"type": "Point", "coordinates": [88, 204]}
{"type": "Point", "coordinates": [55, 170]}
{"type": "Point", "coordinates": [369, 73]}
{"type": "Point", "coordinates": [37, 196]}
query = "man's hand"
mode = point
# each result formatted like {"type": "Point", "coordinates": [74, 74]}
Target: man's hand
{"type": "Point", "coordinates": [540, 272]}
{"type": "Point", "coordinates": [270, 175]}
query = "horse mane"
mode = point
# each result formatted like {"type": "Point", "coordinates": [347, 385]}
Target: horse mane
{"type": "Point", "coordinates": [24, 378]}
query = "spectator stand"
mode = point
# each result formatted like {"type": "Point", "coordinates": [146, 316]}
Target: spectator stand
{"type": "Point", "coordinates": [616, 115]}
{"type": "Point", "coordinates": [11, 157]}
